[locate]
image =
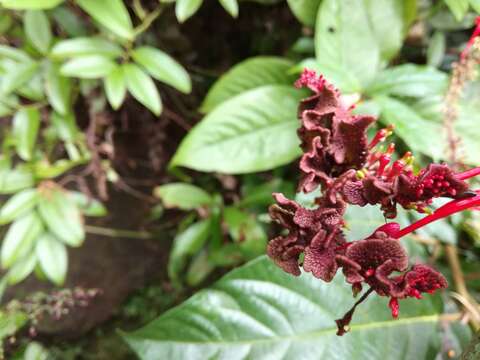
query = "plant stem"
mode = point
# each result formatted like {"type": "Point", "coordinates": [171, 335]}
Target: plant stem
{"type": "Point", "coordinates": [468, 174]}
{"type": "Point", "coordinates": [148, 20]}
{"type": "Point", "coordinates": [97, 230]}
{"type": "Point", "coordinates": [448, 209]}
{"type": "Point", "coordinates": [460, 285]}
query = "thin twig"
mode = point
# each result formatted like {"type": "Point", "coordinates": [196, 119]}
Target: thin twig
{"type": "Point", "coordinates": [97, 230]}
{"type": "Point", "coordinates": [467, 301]}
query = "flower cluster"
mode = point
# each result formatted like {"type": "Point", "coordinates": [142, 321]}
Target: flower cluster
{"type": "Point", "coordinates": [350, 170]}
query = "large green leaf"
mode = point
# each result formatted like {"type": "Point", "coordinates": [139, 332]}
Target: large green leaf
{"type": "Point", "coordinates": [345, 41]}
{"type": "Point", "coordinates": [419, 134]}
{"type": "Point", "coordinates": [388, 20]}
{"type": "Point", "coordinates": [20, 238]}
{"type": "Point", "coordinates": [115, 87]}
{"type": "Point", "coordinates": [186, 8]}
{"type": "Point", "coordinates": [231, 6]}
{"type": "Point", "coordinates": [186, 244]}
{"type": "Point", "coordinates": [62, 216]}
{"type": "Point", "coordinates": [53, 258]}
{"type": "Point", "coordinates": [82, 46]}
{"type": "Point", "coordinates": [183, 196]}
{"type": "Point", "coordinates": [409, 80]}
{"type": "Point", "coordinates": [37, 28]}
{"type": "Point", "coordinates": [21, 269]}
{"type": "Point", "coordinates": [26, 123]}
{"type": "Point", "coordinates": [355, 37]}
{"type": "Point", "coordinates": [19, 204]}
{"type": "Point", "coordinates": [30, 4]}
{"type": "Point", "coordinates": [88, 67]}
{"type": "Point", "coordinates": [58, 89]}
{"type": "Point", "coordinates": [260, 312]}
{"type": "Point", "coordinates": [14, 180]}
{"type": "Point", "coordinates": [16, 76]}
{"type": "Point", "coordinates": [247, 75]}
{"type": "Point", "coordinates": [305, 10]}
{"type": "Point", "coordinates": [458, 7]}
{"type": "Point", "coordinates": [163, 67]}
{"type": "Point", "coordinates": [142, 88]}
{"type": "Point", "coordinates": [466, 127]}
{"type": "Point", "coordinates": [251, 132]}
{"type": "Point", "coordinates": [112, 14]}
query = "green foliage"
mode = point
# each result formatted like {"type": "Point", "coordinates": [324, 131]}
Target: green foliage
{"type": "Point", "coordinates": [248, 75]}
{"type": "Point", "coordinates": [182, 196]}
{"type": "Point", "coordinates": [258, 311]}
{"type": "Point", "coordinates": [256, 128]}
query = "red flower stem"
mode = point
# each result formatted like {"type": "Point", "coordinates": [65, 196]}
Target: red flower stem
{"type": "Point", "coordinates": [468, 174]}
{"type": "Point", "coordinates": [448, 209]}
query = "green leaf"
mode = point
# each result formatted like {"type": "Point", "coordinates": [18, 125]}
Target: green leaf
{"type": "Point", "coordinates": [58, 89]}
{"type": "Point", "coordinates": [53, 258]}
{"type": "Point", "coordinates": [458, 8]}
{"type": "Point", "coordinates": [199, 269]}
{"type": "Point", "coordinates": [112, 14]}
{"type": "Point", "coordinates": [475, 4]}
{"type": "Point", "coordinates": [11, 322]}
{"type": "Point", "coordinates": [21, 269]}
{"type": "Point", "coordinates": [33, 89]}
{"type": "Point", "coordinates": [436, 49]}
{"type": "Point", "coordinates": [409, 80]}
{"type": "Point", "coordinates": [12, 181]}
{"type": "Point", "coordinates": [20, 238]}
{"type": "Point", "coordinates": [65, 126]}
{"type": "Point", "coordinates": [420, 135]}
{"type": "Point", "coordinates": [115, 87]}
{"type": "Point", "coordinates": [62, 216]}
{"type": "Point", "coordinates": [70, 21]}
{"type": "Point", "coordinates": [30, 4]}
{"type": "Point", "coordinates": [17, 76]}
{"type": "Point", "coordinates": [186, 8]}
{"type": "Point", "coordinates": [247, 75]}
{"type": "Point", "coordinates": [186, 244]}
{"type": "Point", "coordinates": [19, 204]}
{"type": "Point", "coordinates": [231, 6]}
{"type": "Point", "coordinates": [83, 46]}
{"type": "Point", "coordinates": [305, 10]}
{"type": "Point", "coordinates": [355, 38]}
{"type": "Point", "coordinates": [246, 232]}
{"type": "Point", "coordinates": [88, 67]}
{"type": "Point", "coordinates": [389, 20]}
{"type": "Point", "coordinates": [14, 54]}
{"type": "Point", "coordinates": [258, 312]}
{"type": "Point", "coordinates": [466, 127]}
{"type": "Point", "coordinates": [35, 351]}
{"type": "Point", "coordinates": [26, 123]}
{"type": "Point", "coordinates": [142, 88]}
{"type": "Point", "coordinates": [37, 28]}
{"type": "Point", "coordinates": [254, 131]}
{"type": "Point", "coordinates": [163, 67]}
{"type": "Point", "coordinates": [183, 196]}
{"type": "Point", "coordinates": [345, 40]}
{"type": "Point", "coordinates": [88, 206]}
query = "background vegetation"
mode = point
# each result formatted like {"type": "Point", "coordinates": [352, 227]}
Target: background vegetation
{"type": "Point", "coordinates": [141, 142]}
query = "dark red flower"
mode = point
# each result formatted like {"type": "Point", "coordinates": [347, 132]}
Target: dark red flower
{"type": "Point", "coordinates": [315, 231]}
{"type": "Point", "coordinates": [338, 157]}
{"type": "Point", "coordinates": [372, 261]}
{"type": "Point", "coordinates": [333, 140]}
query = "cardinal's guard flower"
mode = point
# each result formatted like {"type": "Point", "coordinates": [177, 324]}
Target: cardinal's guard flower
{"type": "Point", "coordinates": [351, 170]}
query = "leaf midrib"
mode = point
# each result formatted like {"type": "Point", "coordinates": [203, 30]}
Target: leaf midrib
{"type": "Point", "coordinates": [303, 336]}
{"type": "Point", "coordinates": [257, 130]}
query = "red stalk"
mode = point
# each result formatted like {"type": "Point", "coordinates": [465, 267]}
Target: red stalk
{"type": "Point", "coordinates": [468, 174]}
{"type": "Point", "coordinates": [448, 209]}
